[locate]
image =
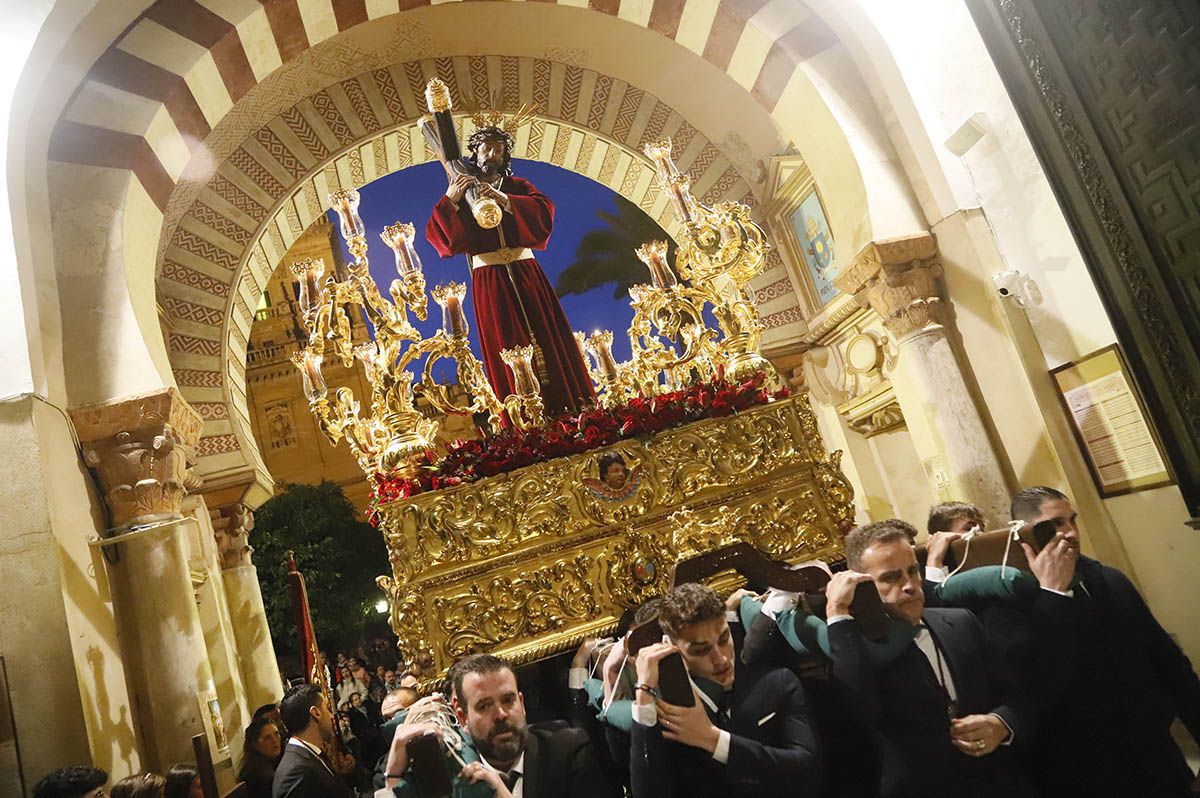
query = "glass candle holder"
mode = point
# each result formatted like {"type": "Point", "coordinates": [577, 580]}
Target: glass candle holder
{"type": "Point", "coordinates": [368, 354]}
{"type": "Point", "coordinates": [600, 345]}
{"type": "Point", "coordinates": [679, 189]}
{"type": "Point", "coordinates": [660, 153]}
{"type": "Point", "coordinates": [520, 360]}
{"type": "Point", "coordinates": [310, 371]}
{"type": "Point", "coordinates": [399, 237]}
{"type": "Point", "coordinates": [309, 271]}
{"type": "Point", "coordinates": [450, 298]}
{"type": "Point", "coordinates": [654, 255]}
{"type": "Point", "coordinates": [345, 203]}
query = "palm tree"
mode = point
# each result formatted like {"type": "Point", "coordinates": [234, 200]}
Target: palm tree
{"type": "Point", "coordinates": [605, 255]}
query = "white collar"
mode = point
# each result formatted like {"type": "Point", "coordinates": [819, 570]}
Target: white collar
{"type": "Point", "coordinates": [305, 744]}
{"type": "Point", "coordinates": [518, 766]}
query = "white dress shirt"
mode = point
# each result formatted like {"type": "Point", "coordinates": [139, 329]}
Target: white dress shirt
{"type": "Point", "coordinates": [518, 789]}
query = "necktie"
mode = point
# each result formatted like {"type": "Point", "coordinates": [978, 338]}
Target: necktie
{"type": "Point", "coordinates": [511, 778]}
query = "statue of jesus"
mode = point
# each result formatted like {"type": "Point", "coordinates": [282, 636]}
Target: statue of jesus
{"type": "Point", "coordinates": [514, 302]}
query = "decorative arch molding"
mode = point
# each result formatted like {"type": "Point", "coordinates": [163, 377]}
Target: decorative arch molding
{"type": "Point", "coordinates": [192, 104]}
{"type": "Point", "coordinates": [239, 226]}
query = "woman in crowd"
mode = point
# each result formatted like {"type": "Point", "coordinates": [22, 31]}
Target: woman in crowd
{"type": "Point", "coordinates": [183, 782]}
{"type": "Point", "coordinates": [143, 785]}
{"type": "Point", "coordinates": [263, 748]}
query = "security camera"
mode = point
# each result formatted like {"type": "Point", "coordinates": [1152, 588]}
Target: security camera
{"type": "Point", "coordinates": [1019, 286]}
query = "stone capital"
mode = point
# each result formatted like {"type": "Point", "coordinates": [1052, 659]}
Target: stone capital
{"type": "Point", "coordinates": [140, 448]}
{"type": "Point", "coordinates": [231, 527]}
{"type": "Point", "coordinates": [898, 279]}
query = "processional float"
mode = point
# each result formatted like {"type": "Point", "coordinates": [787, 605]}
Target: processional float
{"type": "Point", "coordinates": [517, 544]}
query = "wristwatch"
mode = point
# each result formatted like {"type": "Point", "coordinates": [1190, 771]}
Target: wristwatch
{"type": "Point", "coordinates": [651, 690]}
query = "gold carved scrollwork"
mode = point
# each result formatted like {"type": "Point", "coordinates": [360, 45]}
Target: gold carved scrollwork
{"type": "Point", "coordinates": [695, 533]}
{"type": "Point", "coordinates": [408, 621]}
{"type": "Point", "coordinates": [509, 607]}
{"type": "Point", "coordinates": [723, 454]}
{"type": "Point", "coordinates": [638, 567]}
{"type": "Point", "coordinates": [786, 525]}
{"type": "Point", "coordinates": [836, 490]}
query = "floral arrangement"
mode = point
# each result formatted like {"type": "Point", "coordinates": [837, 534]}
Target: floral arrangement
{"type": "Point", "coordinates": [593, 428]}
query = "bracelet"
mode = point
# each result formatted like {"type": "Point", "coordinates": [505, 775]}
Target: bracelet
{"type": "Point", "coordinates": [394, 775]}
{"type": "Point", "coordinates": [647, 688]}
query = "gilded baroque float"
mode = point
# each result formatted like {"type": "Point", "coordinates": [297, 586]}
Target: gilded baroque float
{"type": "Point", "coordinates": [532, 562]}
{"type": "Point", "coordinates": [527, 561]}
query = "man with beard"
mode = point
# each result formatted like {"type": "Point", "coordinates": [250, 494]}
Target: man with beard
{"type": "Point", "coordinates": [942, 713]}
{"type": "Point", "coordinates": [1113, 681]}
{"type": "Point", "coordinates": [547, 760]}
{"type": "Point", "coordinates": [515, 304]}
{"type": "Point", "coordinates": [742, 738]}
{"type": "Point", "coordinates": [305, 771]}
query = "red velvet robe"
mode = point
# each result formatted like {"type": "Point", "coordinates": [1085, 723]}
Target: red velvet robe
{"type": "Point", "coordinates": [510, 299]}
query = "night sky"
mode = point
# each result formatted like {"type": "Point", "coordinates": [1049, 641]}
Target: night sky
{"type": "Point", "coordinates": [409, 196]}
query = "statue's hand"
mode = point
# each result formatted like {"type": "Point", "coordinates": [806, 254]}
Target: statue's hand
{"type": "Point", "coordinates": [458, 188]}
{"type": "Point", "coordinates": [493, 193]}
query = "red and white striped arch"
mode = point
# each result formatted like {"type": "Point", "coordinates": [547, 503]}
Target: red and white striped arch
{"type": "Point", "coordinates": [235, 116]}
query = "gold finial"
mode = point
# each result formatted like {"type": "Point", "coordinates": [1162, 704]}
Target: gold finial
{"type": "Point", "coordinates": [437, 96]}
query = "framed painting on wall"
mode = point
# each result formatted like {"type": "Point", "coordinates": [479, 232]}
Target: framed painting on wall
{"type": "Point", "coordinates": [811, 229]}
{"type": "Point", "coordinates": [800, 226]}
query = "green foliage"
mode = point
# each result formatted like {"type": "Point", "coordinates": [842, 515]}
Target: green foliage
{"type": "Point", "coordinates": [605, 255]}
{"type": "Point", "coordinates": [339, 555]}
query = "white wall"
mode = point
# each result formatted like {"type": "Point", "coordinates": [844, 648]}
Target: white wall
{"type": "Point", "coordinates": [937, 74]}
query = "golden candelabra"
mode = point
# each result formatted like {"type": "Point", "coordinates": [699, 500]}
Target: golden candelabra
{"type": "Point", "coordinates": [720, 251]}
{"type": "Point", "coordinates": [396, 432]}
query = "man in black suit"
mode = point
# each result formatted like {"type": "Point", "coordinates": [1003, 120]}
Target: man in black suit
{"type": "Point", "coordinates": [748, 736]}
{"type": "Point", "coordinates": [305, 771]}
{"type": "Point", "coordinates": [1108, 709]}
{"type": "Point", "coordinates": [516, 760]}
{"type": "Point", "coordinates": [936, 711]}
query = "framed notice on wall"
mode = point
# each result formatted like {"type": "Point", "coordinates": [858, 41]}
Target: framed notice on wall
{"type": "Point", "coordinates": [1110, 423]}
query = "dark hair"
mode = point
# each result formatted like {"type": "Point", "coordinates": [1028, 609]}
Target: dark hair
{"type": "Point", "coordinates": [647, 609]}
{"type": "Point", "coordinates": [179, 780]}
{"type": "Point", "coordinates": [868, 535]}
{"type": "Point", "coordinates": [255, 766]}
{"type": "Point", "coordinates": [942, 516]}
{"type": "Point", "coordinates": [1028, 503]}
{"type": "Point", "coordinates": [296, 705]}
{"type": "Point", "coordinates": [70, 782]}
{"type": "Point", "coordinates": [687, 604]}
{"type": "Point", "coordinates": [264, 710]}
{"type": "Point", "coordinates": [143, 785]}
{"type": "Point", "coordinates": [494, 133]}
{"type": "Point", "coordinates": [254, 731]}
{"type": "Point", "coordinates": [610, 459]}
{"type": "Point", "coordinates": [476, 663]}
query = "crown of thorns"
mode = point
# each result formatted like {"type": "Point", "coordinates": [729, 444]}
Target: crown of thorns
{"type": "Point", "coordinates": [485, 133]}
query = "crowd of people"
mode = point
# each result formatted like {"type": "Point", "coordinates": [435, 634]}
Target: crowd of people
{"type": "Point", "coordinates": [994, 681]}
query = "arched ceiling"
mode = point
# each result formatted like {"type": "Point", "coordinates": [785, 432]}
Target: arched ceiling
{"type": "Point", "coordinates": [232, 116]}
{"type": "Point", "coordinates": [266, 193]}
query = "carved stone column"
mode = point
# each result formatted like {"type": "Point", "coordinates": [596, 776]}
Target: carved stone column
{"type": "Point", "coordinates": [256, 653]}
{"type": "Point", "coordinates": [139, 449]}
{"type": "Point", "coordinates": [899, 279]}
